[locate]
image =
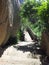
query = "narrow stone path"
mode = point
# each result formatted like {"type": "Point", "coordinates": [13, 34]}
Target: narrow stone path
{"type": "Point", "coordinates": [21, 53]}
{"type": "Point", "coordinates": [15, 55]}
{"type": "Point", "coordinates": [27, 36]}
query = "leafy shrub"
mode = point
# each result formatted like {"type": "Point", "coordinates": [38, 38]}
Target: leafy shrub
{"type": "Point", "coordinates": [35, 16]}
{"type": "Point", "coordinates": [43, 12]}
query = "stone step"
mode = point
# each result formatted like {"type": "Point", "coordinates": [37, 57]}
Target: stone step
{"type": "Point", "coordinates": [20, 54]}
{"type": "Point", "coordinates": [25, 43]}
{"type": "Point", "coordinates": [19, 61]}
{"type": "Point", "coordinates": [27, 36]}
{"type": "Point", "coordinates": [13, 51]}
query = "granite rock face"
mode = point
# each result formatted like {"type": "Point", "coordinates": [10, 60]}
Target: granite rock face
{"type": "Point", "coordinates": [45, 42]}
{"type": "Point", "coordinates": [9, 19]}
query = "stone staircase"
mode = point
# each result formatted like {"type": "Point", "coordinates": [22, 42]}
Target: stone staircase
{"type": "Point", "coordinates": [21, 53]}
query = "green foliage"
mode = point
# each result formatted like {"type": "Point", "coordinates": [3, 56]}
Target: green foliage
{"type": "Point", "coordinates": [20, 35]}
{"type": "Point", "coordinates": [37, 28]}
{"type": "Point", "coordinates": [37, 11]}
{"type": "Point", "coordinates": [28, 9]}
{"type": "Point", "coordinates": [43, 12]}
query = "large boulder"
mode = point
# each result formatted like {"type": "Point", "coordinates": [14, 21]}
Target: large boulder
{"type": "Point", "coordinates": [9, 19]}
{"type": "Point", "coordinates": [45, 42]}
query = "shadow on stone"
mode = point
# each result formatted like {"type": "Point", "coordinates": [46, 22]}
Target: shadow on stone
{"type": "Point", "coordinates": [31, 48]}
{"type": "Point", "coordinates": [10, 42]}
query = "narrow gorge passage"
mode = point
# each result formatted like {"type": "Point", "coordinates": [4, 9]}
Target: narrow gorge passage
{"type": "Point", "coordinates": [21, 53]}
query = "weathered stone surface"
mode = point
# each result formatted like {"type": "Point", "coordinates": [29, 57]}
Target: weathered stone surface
{"type": "Point", "coordinates": [19, 57]}
{"type": "Point", "coordinates": [9, 19]}
{"type": "Point", "coordinates": [45, 42]}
